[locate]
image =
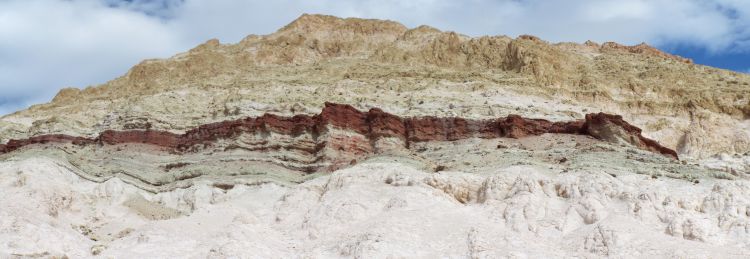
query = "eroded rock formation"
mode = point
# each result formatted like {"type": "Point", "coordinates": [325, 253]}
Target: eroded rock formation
{"type": "Point", "coordinates": [416, 72]}
{"type": "Point", "coordinates": [613, 128]}
{"type": "Point", "coordinates": [352, 134]}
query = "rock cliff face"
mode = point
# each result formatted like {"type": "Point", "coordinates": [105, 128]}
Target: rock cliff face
{"type": "Point", "coordinates": [353, 135]}
{"type": "Point", "coordinates": [430, 144]}
{"type": "Point", "coordinates": [613, 128]}
{"type": "Point", "coordinates": [409, 72]}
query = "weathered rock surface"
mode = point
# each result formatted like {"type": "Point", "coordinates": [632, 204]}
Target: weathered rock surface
{"type": "Point", "coordinates": [431, 144]}
{"type": "Point", "coordinates": [368, 128]}
{"type": "Point", "coordinates": [614, 129]}
{"type": "Point", "coordinates": [377, 209]}
{"type": "Point", "coordinates": [410, 73]}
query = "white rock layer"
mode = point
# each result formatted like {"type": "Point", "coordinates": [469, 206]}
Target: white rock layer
{"type": "Point", "coordinates": [376, 210]}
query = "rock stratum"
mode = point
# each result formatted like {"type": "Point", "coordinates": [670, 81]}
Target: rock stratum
{"type": "Point", "coordinates": [342, 135]}
{"type": "Point", "coordinates": [358, 138]}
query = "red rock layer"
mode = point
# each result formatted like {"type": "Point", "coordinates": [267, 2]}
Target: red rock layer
{"type": "Point", "coordinates": [43, 139]}
{"type": "Point", "coordinates": [373, 125]}
{"type": "Point", "coordinates": [597, 122]}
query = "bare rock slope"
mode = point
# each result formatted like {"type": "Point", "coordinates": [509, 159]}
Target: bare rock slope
{"type": "Point", "coordinates": [354, 138]}
{"type": "Point", "coordinates": [338, 137]}
{"type": "Point", "coordinates": [409, 72]}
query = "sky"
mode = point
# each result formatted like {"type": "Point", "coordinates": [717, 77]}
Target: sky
{"type": "Point", "coordinates": [46, 45]}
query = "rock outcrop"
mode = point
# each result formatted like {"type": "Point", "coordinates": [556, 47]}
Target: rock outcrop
{"type": "Point", "coordinates": [341, 133]}
{"type": "Point", "coordinates": [643, 48]}
{"type": "Point", "coordinates": [408, 72]}
{"type": "Point", "coordinates": [613, 128]}
{"type": "Point", "coordinates": [430, 143]}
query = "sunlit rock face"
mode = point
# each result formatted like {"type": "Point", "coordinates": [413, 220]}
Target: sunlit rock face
{"type": "Point", "coordinates": [355, 138]}
{"type": "Point", "coordinates": [338, 137]}
{"type": "Point", "coordinates": [408, 72]}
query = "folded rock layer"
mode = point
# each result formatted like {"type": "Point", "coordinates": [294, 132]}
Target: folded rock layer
{"type": "Point", "coordinates": [349, 134]}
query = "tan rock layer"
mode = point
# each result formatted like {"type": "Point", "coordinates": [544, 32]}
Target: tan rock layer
{"type": "Point", "coordinates": [373, 125]}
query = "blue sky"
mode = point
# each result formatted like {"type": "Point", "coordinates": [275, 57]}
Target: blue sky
{"type": "Point", "coordinates": [46, 45]}
{"type": "Point", "coordinates": [733, 60]}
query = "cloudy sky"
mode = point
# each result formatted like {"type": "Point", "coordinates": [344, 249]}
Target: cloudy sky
{"type": "Point", "coordinates": [49, 44]}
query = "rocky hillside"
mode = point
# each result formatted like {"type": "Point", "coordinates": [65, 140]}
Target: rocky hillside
{"type": "Point", "coordinates": [353, 138]}
{"type": "Point", "coordinates": [409, 72]}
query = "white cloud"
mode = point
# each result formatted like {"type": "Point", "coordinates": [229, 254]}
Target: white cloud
{"type": "Point", "coordinates": [49, 44]}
